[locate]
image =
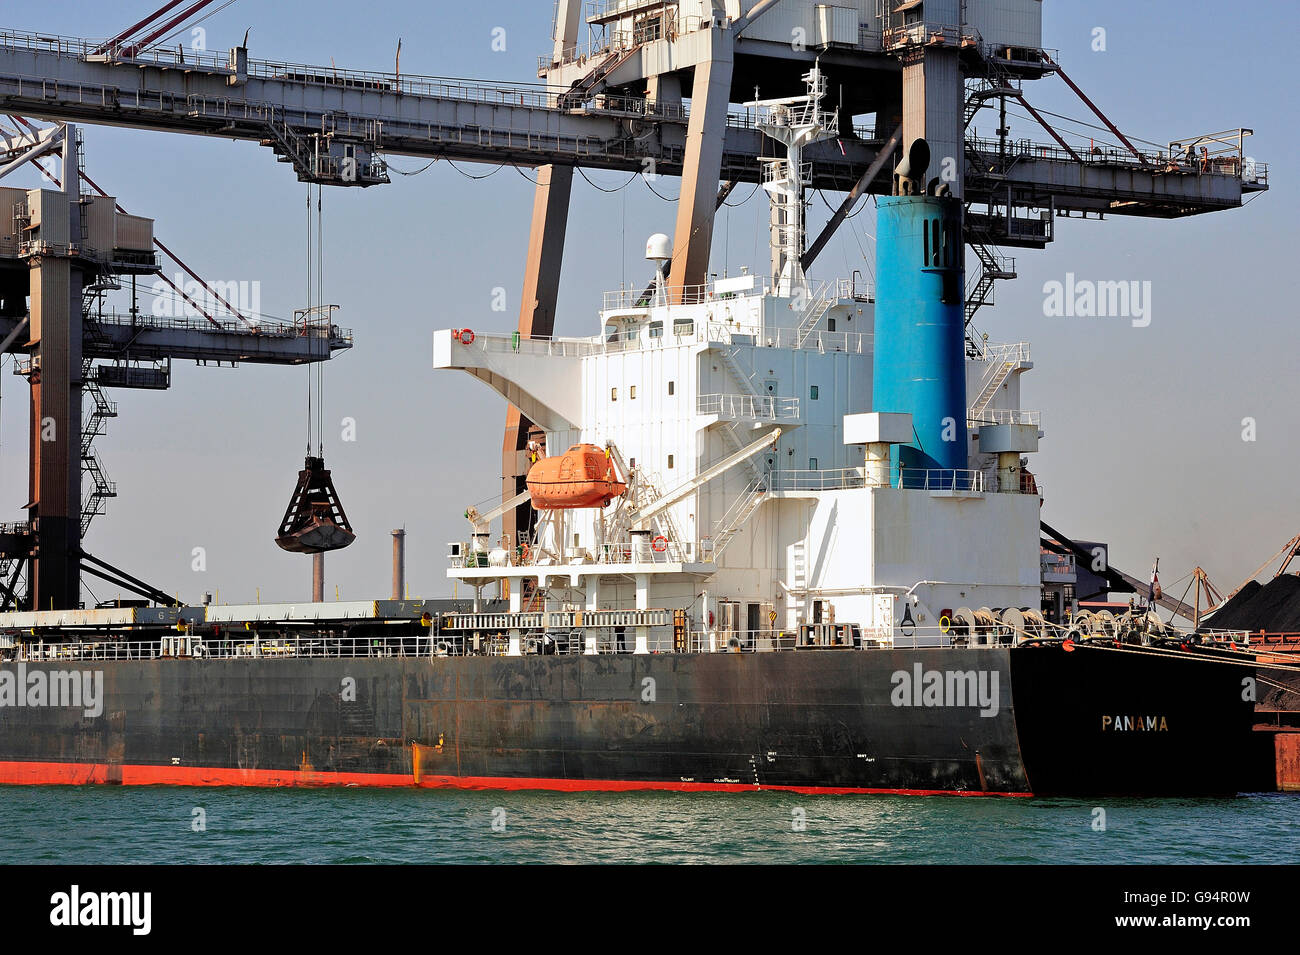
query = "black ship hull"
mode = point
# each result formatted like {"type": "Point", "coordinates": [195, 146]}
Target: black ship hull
{"type": "Point", "coordinates": [1022, 721]}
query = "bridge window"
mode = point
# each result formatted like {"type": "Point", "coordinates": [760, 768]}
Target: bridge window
{"type": "Point", "coordinates": [671, 386]}
{"type": "Point", "coordinates": [656, 329]}
{"type": "Point", "coordinates": [613, 394]}
{"type": "Point", "coordinates": [632, 393]}
{"type": "Point", "coordinates": [670, 462]}
{"type": "Point", "coordinates": [812, 464]}
{"type": "Point", "coordinates": [812, 393]}
{"type": "Point", "coordinates": [648, 29]}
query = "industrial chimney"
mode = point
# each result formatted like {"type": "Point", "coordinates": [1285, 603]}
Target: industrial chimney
{"type": "Point", "coordinates": [399, 564]}
{"type": "Point", "coordinates": [318, 577]}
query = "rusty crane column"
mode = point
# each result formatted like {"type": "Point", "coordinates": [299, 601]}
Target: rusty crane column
{"type": "Point", "coordinates": [536, 318]}
{"type": "Point", "coordinates": [702, 168]}
{"type": "Point", "coordinates": [541, 278]}
{"type": "Point", "coordinates": [53, 232]}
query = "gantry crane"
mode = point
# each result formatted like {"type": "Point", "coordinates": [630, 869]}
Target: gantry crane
{"type": "Point", "coordinates": [617, 102]}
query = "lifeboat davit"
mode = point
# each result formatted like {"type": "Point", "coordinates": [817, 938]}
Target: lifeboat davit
{"type": "Point", "coordinates": [583, 476]}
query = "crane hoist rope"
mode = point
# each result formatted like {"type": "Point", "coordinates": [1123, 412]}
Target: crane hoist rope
{"type": "Point", "coordinates": [314, 522]}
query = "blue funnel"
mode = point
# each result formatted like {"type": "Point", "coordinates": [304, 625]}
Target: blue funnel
{"type": "Point", "coordinates": [920, 362]}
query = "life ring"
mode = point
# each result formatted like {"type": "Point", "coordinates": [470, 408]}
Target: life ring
{"type": "Point", "coordinates": [659, 544]}
{"type": "Point", "coordinates": [466, 336]}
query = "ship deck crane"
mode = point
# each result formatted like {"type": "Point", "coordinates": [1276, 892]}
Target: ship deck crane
{"type": "Point", "coordinates": [480, 520]}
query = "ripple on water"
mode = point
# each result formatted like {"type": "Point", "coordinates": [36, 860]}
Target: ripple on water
{"type": "Point", "coordinates": [359, 826]}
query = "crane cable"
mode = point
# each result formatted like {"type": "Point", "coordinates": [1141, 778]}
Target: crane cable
{"type": "Point", "coordinates": [320, 303]}
{"type": "Point", "coordinates": [184, 27]}
{"type": "Point", "coordinates": [306, 318]}
{"type": "Point", "coordinates": [316, 301]}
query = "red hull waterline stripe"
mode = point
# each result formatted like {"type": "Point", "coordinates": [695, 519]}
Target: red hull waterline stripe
{"type": "Point", "coordinates": [79, 774]}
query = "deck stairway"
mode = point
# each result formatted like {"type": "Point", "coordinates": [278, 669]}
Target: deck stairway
{"type": "Point", "coordinates": [730, 430]}
{"type": "Point", "coordinates": [1003, 361]}
{"type": "Point", "coordinates": [993, 267]}
{"type": "Point", "coordinates": [741, 510]}
{"type": "Point", "coordinates": [812, 316]}
{"type": "Point", "coordinates": [101, 488]}
{"type": "Point", "coordinates": [96, 421]}
{"type": "Point", "coordinates": [643, 490]}
{"type": "Point", "coordinates": [584, 89]}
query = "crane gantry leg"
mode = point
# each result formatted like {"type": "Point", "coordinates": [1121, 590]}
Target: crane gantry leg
{"type": "Point", "coordinates": [55, 426]}
{"type": "Point", "coordinates": [536, 319]}
{"type": "Point", "coordinates": [702, 169]}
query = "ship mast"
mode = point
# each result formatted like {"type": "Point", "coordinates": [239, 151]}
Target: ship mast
{"type": "Point", "coordinates": [796, 122]}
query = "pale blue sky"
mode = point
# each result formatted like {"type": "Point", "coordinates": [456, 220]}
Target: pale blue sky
{"type": "Point", "coordinates": [1143, 444]}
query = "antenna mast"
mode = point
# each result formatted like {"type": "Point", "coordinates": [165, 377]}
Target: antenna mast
{"type": "Point", "coordinates": [796, 122]}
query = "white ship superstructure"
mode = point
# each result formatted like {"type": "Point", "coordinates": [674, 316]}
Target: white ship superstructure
{"type": "Point", "coordinates": [764, 504]}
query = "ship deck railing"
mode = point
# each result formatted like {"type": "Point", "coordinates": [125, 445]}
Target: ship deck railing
{"type": "Point", "coordinates": [1008, 416]}
{"type": "Point", "coordinates": [996, 157]}
{"type": "Point", "coordinates": [568, 639]}
{"type": "Point", "coordinates": [492, 639]}
{"type": "Point", "coordinates": [1011, 352]}
{"type": "Point", "coordinates": [742, 407]}
{"type": "Point", "coordinates": [639, 298]}
{"type": "Point", "coordinates": [205, 646]}
{"type": "Point", "coordinates": [621, 554]}
{"type": "Point", "coordinates": [911, 479]}
{"type": "Point", "coordinates": [534, 95]}
{"type": "Point", "coordinates": [683, 332]}
{"type": "Point", "coordinates": [271, 328]}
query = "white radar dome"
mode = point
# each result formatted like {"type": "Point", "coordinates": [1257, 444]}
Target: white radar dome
{"type": "Point", "coordinates": [659, 248]}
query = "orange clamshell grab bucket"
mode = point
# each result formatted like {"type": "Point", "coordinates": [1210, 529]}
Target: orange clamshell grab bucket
{"type": "Point", "coordinates": [581, 477]}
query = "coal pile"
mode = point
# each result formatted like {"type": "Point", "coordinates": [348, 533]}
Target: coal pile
{"type": "Point", "coordinates": [1273, 607]}
{"type": "Point", "coordinates": [1234, 608]}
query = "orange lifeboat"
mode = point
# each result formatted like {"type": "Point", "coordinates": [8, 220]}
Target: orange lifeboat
{"type": "Point", "coordinates": [583, 476]}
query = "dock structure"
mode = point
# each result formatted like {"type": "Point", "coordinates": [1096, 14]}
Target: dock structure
{"type": "Point", "coordinates": [66, 250]}
{"type": "Point", "coordinates": [613, 94]}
